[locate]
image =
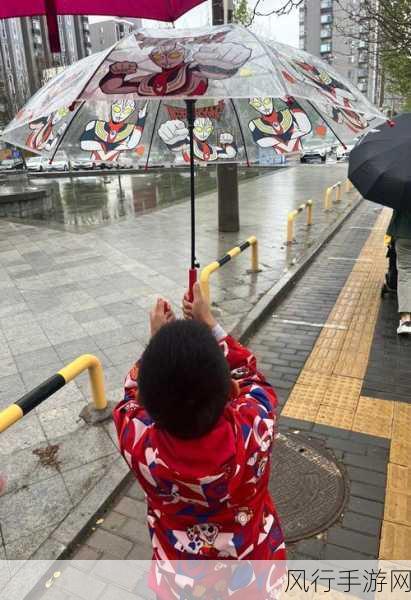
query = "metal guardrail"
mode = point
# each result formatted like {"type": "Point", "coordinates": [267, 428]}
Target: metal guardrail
{"type": "Point", "coordinates": [26, 403]}
{"type": "Point", "coordinates": [205, 274]}
{"type": "Point", "coordinates": [293, 214]}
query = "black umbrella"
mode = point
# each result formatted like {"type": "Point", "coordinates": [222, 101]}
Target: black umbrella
{"type": "Point", "coordinates": [380, 165]}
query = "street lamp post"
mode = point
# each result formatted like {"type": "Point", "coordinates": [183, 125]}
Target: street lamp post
{"type": "Point", "coordinates": [227, 175]}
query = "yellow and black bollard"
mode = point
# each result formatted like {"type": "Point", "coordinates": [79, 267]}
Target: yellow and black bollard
{"type": "Point", "coordinates": [26, 403]}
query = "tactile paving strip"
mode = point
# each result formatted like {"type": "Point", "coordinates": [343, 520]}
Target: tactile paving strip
{"type": "Point", "coordinates": [395, 541]}
{"type": "Point", "coordinates": [374, 417]}
{"type": "Point", "coordinates": [329, 415]}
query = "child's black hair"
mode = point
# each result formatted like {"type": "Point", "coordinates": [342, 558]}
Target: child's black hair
{"type": "Point", "coordinates": [184, 379]}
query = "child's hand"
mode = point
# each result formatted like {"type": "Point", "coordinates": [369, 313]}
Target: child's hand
{"type": "Point", "coordinates": [199, 309]}
{"type": "Point", "coordinates": [160, 315]}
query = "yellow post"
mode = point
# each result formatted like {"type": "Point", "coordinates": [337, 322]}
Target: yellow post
{"type": "Point", "coordinates": [9, 416]}
{"type": "Point", "coordinates": [348, 185]}
{"type": "Point", "coordinates": [309, 212]}
{"type": "Point", "coordinates": [290, 226]}
{"type": "Point", "coordinates": [254, 253]}
{"type": "Point", "coordinates": [92, 363]}
{"type": "Point", "coordinates": [327, 198]}
{"type": "Point", "coordinates": [338, 192]}
{"type": "Point", "coordinates": [204, 278]}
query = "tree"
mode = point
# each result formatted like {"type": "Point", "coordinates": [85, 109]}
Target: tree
{"type": "Point", "coordinates": [242, 13]}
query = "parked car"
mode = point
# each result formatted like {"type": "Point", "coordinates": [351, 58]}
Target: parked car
{"type": "Point", "coordinates": [59, 163]}
{"type": "Point", "coordinates": [124, 162]}
{"type": "Point", "coordinates": [314, 154]}
{"type": "Point", "coordinates": [343, 153]}
{"type": "Point", "coordinates": [36, 163]}
{"type": "Point", "coordinates": [83, 164]}
{"type": "Point", "coordinates": [8, 164]}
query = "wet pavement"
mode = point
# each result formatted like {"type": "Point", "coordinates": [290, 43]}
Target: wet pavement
{"type": "Point", "coordinates": [64, 294]}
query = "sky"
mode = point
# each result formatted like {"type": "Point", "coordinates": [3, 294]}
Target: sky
{"type": "Point", "coordinates": [282, 29]}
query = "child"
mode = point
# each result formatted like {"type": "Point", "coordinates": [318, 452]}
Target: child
{"type": "Point", "coordinates": [196, 427]}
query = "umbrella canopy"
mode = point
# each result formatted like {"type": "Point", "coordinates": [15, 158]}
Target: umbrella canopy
{"type": "Point", "coordinates": [379, 165]}
{"type": "Point", "coordinates": [160, 10]}
{"type": "Point", "coordinates": [256, 99]}
{"type": "Point", "coordinates": [163, 97]}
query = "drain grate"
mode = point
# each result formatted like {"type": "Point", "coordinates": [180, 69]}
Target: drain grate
{"type": "Point", "coordinates": [307, 485]}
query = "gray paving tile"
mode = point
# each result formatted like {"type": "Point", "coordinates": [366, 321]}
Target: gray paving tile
{"type": "Point", "coordinates": [124, 352]}
{"type": "Point", "coordinates": [37, 358]}
{"type": "Point", "coordinates": [11, 388]}
{"type": "Point", "coordinates": [62, 420]}
{"type": "Point", "coordinates": [80, 480]}
{"type": "Point", "coordinates": [40, 505]}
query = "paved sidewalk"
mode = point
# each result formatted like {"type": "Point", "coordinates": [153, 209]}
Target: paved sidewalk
{"type": "Point", "coordinates": [65, 294]}
{"type": "Point", "coordinates": [322, 349]}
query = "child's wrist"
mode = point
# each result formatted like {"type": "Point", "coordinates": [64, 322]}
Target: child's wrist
{"type": "Point", "coordinates": [218, 332]}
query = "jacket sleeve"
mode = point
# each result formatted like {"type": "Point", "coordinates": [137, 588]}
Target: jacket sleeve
{"type": "Point", "coordinates": [250, 381]}
{"type": "Point", "coordinates": [130, 418]}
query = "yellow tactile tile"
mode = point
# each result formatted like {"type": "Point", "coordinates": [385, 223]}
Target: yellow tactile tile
{"type": "Point", "coordinates": [397, 508]}
{"type": "Point", "coordinates": [317, 380]}
{"type": "Point", "coordinates": [395, 542]}
{"type": "Point", "coordinates": [333, 339]}
{"type": "Point", "coordinates": [374, 417]}
{"type": "Point", "coordinates": [402, 413]}
{"type": "Point", "coordinates": [400, 452]}
{"type": "Point", "coordinates": [351, 364]}
{"type": "Point", "coordinates": [322, 360]}
{"type": "Point", "coordinates": [343, 392]}
{"type": "Point", "coordinates": [300, 411]}
{"type": "Point", "coordinates": [399, 479]}
{"type": "Point", "coordinates": [400, 432]}
{"type": "Point", "coordinates": [335, 417]}
{"type": "Point", "coordinates": [306, 395]}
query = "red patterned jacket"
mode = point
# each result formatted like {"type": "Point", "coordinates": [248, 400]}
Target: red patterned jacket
{"type": "Point", "coordinates": [208, 497]}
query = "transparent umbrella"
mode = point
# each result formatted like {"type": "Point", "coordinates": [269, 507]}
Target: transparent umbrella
{"type": "Point", "coordinates": [186, 97]}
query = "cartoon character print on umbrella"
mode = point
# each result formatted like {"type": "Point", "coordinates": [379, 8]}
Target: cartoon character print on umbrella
{"type": "Point", "coordinates": [281, 124]}
{"type": "Point", "coordinates": [174, 133]}
{"type": "Point", "coordinates": [181, 74]}
{"type": "Point", "coordinates": [46, 131]}
{"type": "Point", "coordinates": [107, 139]}
{"type": "Point", "coordinates": [331, 89]}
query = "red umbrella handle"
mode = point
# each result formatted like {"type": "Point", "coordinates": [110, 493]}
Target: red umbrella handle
{"type": "Point", "coordinates": [192, 278]}
{"type": "Point", "coordinates": [52, 26]}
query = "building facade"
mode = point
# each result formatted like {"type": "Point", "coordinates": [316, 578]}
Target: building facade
{"type": "Point", "coordinates": [106, 33]}
{"type": "Point", "coordinates": [25, 57]}
{"type": "Point", "coordinates": [326, 32]}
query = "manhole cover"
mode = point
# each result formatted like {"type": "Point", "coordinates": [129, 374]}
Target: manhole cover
{"type": "Point", "coordinates": [307, 485]}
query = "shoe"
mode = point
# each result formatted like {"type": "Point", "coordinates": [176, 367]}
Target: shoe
{"type": "Point", "coordinates": [404, 328]}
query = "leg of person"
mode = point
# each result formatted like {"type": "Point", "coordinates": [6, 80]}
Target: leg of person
{"type": "Point", "coordinates": [403, 248]}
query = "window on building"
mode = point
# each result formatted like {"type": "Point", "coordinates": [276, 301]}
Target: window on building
{"type": "Point", "coordinates": [362, 44]}
{"type": "Point", "coordinates": [325, 47]}
{"type": "Point", "coordinates": [324, 4]}
{"type": "Point", "coordinates": [326, 18]}
{"type": "Point", "coordinates": [326, 31]}
{"type": "Point", "coordinates": [302, 30]}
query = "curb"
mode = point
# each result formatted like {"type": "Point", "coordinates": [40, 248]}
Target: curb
{"type": "Point", "coordinates": [246, 327]}
{"type": "Point", "coordinates": [72, 529]}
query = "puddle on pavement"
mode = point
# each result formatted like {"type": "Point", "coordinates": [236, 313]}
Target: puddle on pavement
{"type": "Point", "coordinates": [80, 203]}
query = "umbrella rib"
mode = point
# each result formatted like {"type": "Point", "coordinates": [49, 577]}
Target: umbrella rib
{"type": "Point", "coordinates": [153, 133]}
{"type": "Point", "coordinates": [241, 131]}
{"type": "Point", "coordinates": [59, 142]}
{"type": "Point", "coordinates": [325, 121]}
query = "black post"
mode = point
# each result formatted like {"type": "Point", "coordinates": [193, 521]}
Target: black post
{"type": "Point", "coordinates": [227, 175]}
{"type": "Point", "coordinates": [190, 121]}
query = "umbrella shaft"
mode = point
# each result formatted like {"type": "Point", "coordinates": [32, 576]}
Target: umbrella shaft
{"type": "Point", "coordinates": [190, 120]}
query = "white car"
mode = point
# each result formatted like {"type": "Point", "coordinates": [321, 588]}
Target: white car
{"type": "Point", "coordinates": [36, 163]}
{"type": "Point", "coordinates": [59, 163]}
{"type": "Point", "coordinates": [11, 163]}
{"type": "Point", "coordinates": [83, 164]}
{"type": "Point", "coordinates": [314, 154]}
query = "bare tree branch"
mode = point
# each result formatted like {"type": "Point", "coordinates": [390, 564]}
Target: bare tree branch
{"type": "Point", "coordinates": [286, 7]}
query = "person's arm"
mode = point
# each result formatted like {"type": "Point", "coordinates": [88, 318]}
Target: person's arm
{"type": "Point", "coordinates": [241, 360]}
{"type": "Point", "coordinates": [129, 416]}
